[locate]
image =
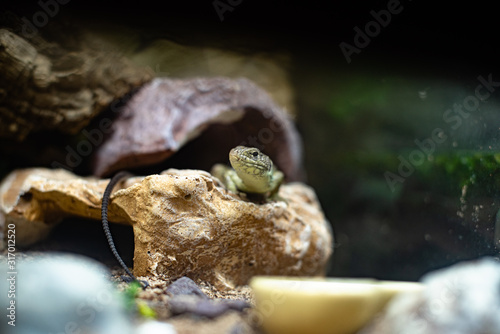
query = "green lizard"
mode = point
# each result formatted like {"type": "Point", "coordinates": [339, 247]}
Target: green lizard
{"type": "Point", "coordinates": [253, 173]}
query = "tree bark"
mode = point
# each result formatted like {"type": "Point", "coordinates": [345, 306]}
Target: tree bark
{"type": "Point", "coordinates": [59, 80]}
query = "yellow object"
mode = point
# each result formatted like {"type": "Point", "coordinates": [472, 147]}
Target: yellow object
{"type": "Point", "coordinates": [145, 310]}
{"type": "Point", "coordinates": [324, 306]}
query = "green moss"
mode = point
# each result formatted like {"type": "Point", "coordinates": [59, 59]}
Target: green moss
{"type": "Point", "coordinates": [446, 173]}
{"type": "Point", "coordinates": [131, 293]}
{"type": "Point", "coordinates": [477, 170]}
{"type": "Point", "coordinates": [133, 304]}
{"type": "Point", "coordinates": [357, 96]}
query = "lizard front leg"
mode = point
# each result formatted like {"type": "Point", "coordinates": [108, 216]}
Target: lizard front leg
{"type": "Point", "coordinates": [228, 177]}
{"type": "Point", "coordinates": [278, 178]}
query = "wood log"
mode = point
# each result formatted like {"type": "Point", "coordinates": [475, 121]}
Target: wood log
{"type": "Point", "coordinates": [59, 80]}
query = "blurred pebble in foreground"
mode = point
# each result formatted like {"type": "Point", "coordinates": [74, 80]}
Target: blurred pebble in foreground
{"type": "Point", "coordinates": [59, 293]}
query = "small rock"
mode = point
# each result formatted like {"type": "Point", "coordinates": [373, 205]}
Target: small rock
{"type": "Point", "coordinates": [204, 307]}
{"type": "Point", "coordinates": [461, 299]}
{"type": "Point", "coordinates": [185, 286]}
{"type": "Point", "coordinates": [58, 293]}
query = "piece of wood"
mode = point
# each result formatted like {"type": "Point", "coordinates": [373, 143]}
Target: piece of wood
{"type": "Point", "coordinates": [58, 82]}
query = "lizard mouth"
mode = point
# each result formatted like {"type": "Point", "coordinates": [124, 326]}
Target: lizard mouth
{"type": "Point", "coordinates": [251, 168]}
{"type": "Point", "coordinates": [251, 163]}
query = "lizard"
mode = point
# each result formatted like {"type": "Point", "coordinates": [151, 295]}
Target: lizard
{"type": "Point", "coordinates": [253, 172]}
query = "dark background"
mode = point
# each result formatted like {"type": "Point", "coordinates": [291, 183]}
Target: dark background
{"type": "Point", "coordinates": [423, 33]}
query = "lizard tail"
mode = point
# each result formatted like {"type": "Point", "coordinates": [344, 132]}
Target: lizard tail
{"type": "Point", "coordinates": [105, 225]}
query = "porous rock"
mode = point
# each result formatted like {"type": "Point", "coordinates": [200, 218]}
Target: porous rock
{"type": "Point", "coordinates": [185, 223]}
{"type": "Point", "coordinates": [36, 199]}
{"type": "Point", "coordinates": [189, 225]}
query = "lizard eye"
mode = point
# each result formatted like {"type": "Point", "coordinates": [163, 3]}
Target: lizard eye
{"type": "Point", "coordinates": [255, 154]}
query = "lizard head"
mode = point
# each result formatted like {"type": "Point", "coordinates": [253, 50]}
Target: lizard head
{"type": "Point", "coordinates": [250, 161]}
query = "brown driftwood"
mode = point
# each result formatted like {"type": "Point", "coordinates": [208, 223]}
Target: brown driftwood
{"type": "Point", "coordinates": [59, 82]}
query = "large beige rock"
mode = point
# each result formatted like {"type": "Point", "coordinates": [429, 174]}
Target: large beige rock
{"type": "Point", "coordinates": [185, 223]}
{"type": "Point", "coordinates": [37, 199]}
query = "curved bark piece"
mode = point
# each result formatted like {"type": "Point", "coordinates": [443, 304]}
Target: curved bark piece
{"type": "Point", "coordinates": [213, 115]}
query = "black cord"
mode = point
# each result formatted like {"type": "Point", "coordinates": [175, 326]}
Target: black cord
{"type": "Point", "coordinates": [105, 225]}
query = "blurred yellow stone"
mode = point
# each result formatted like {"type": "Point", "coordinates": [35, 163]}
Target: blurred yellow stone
{"type": "Point", "coordinates": [326, 306]}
